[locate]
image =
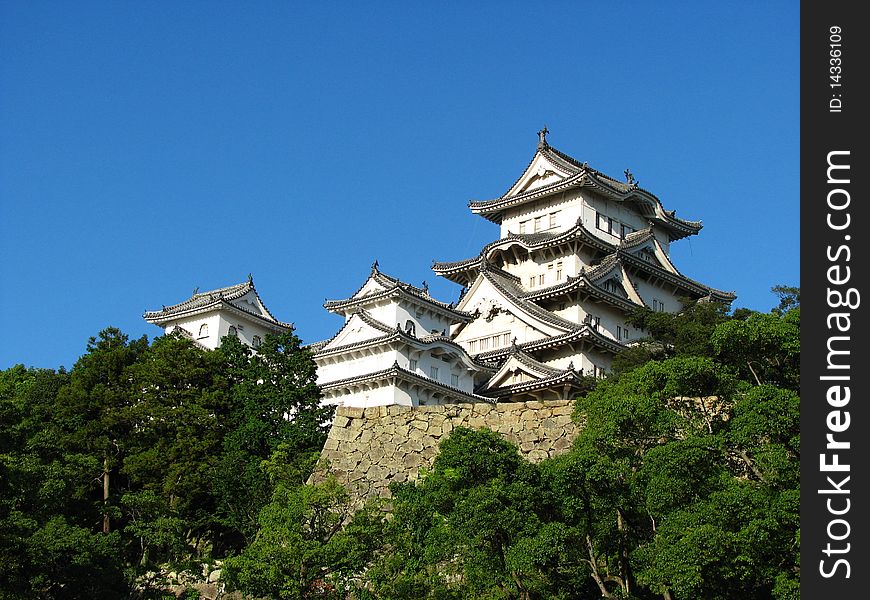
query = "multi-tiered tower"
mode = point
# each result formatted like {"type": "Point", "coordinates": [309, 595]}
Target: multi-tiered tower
{"type": "Point", "coordinates": [545, 303]}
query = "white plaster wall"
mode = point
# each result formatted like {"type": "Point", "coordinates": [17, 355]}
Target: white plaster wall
{"type": "Point", "coordinates": [246, 329]}
{"type": "Point", "coordinates": [503, 322]}
{"type": "Point", "coordinates": [647, 292]}
{"type": "Point", "coordinates": [193, 324]}
{"type": "Point", "coordinates": [568, 204]}
{"type": "Point", "coordinates": [344, 367]}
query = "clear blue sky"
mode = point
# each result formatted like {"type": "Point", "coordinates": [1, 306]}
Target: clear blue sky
{"type": "Point", "coordinates": [148, 148]}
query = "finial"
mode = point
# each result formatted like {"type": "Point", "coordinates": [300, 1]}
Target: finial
{"type": "Point", "coordinates": [375, 265]}
{"type": "Point", "coordinates": [542, 137]}
{"type": "Point", "coordinates": [425, 287]}
{"type": "Point", "coordinates": [629, 178]}
{"type": "Point", "coordinates": [195, 291]}
{"type": "Point", "coordinates": [571, 366]}
{"type": "Point", "coordinates": [514, 343]}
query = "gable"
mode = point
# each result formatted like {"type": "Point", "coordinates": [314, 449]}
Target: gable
{"type": "Point", "coordinates": [499, 315]}
{"type": "Point", "coordinates": [515, 371]}
{"type": "Point", "coordinates": [249, 302]}
{"type": "Point", "coordinates": [355, 330]}
{"type": "Point", "coordinates": [372, 286]}
{"type": "Point", "coordinates": [539, 173]}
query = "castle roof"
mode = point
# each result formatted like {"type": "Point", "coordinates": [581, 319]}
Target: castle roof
{"type": "Point", "coordinates": [385, 335]}
{"type": "Point", "coordinates": [580, 333]}
{"type": "Point", "coordinates": [395, 373]}
{"type": "Point", "coordinates": [379, 286]}
{"type": "Point", "coordinates": [528, 241]}
{"type": "Point", "coordinates": [224, 298]}
{"type": "Point", "coordinates": [540, 376]}
{"type": "Point", "coordinates": [567, 173]}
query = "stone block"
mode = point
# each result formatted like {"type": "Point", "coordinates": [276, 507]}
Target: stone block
{"type": "Point", "coordinates": [340, 421]}
{"type": "Point", "coordinates": [345, 435]}
{"type": "Point", "coordinates": [330, 444]}
{"type": "Point", "coordinates": [476, 422]}
{"type": "Point", "coordinates": [351, 412]}
{"type": "Point", "coordinates": [537, 456]}
{"type": "Point", "coordinates": [529, 435]}
{"type": "Point", "coordinates": [562, 444]}
{"type": "Point", "coordinates": [428, 453]}
{"type": "Point", "coordinates": [534, 405]}
{"type": "Point", "coordinates": [419, 424]}
{"type": "Point", "coordinates": [411, 461]}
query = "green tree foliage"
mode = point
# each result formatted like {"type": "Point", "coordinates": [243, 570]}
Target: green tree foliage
{"type": "Point", "coordinates": [119, 465]}
{"type": "Point", "coordinates": [683, 483]}
{"type": "Point", "coordinates": [308, 546]}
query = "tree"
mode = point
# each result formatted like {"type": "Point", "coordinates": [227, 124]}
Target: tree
{"type": "Point", "coordinates": [308, 545]}
{"type": "Point", "coordinates": [274, 403]}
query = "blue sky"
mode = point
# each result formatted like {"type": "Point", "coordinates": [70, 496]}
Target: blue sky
{"type": "Point", "coordinates": [148, 148]}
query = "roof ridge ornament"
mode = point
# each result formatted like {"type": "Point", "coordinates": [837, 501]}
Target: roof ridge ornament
{"type": "Point", "coordinates": [542, 138]}
{"type": "Point", "coordinates": [375, 266]}
{"type": "Point", "coordinates": [629, 178]}
{"type": "Point", "coordinates": [250, 278]}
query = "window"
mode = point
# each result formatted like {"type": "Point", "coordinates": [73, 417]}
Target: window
{"type": "Point", "coordinates": [203, 330]}
{"type": "Point", "coordinates": [532, 281]}
{"type": "Point", "coordinates": [454, 380]}
{"type": "Point", "coordinates": [496, 341]}
{"type": "Point", "coordinates": [553, 219]}
{"type": "Point", "coordinates": [541, 279]}
{"type": "Point", "coordinates": [506, 338]}
{"type": "Point", "coordinates": [472, 346]}
{"type": "Point", "coordinates": [412, 365]}
{"type": "Point", "coordinates": [657, 305]}
{"type": "Point", "coordinates": [232, 331]}
{"type": "Point", "coordinates": [433, 372]}
{"type": "Point", "coordinates": [538, 223]}
{"type": "Point", "coordinates": [602, 222]}
{"type": "Point", "coordinates": [484, 344]}
{"type": "Point", "coordinates": [559, 271]}
{"type": "Point", "coordinates": [256, 341]}
{"type": "Point", "coordinates": [626, 229]}
{"type": "Point", "coordinates": [619, 332]}
{"type": "Point", "coordinates": [523, 226]}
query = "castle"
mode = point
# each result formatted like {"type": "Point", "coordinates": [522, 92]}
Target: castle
{"type": "Point", "coordinates": [540, 307]}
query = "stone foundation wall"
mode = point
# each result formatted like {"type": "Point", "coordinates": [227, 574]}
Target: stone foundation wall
{"type": "Point", "coordinates": [367, 449]}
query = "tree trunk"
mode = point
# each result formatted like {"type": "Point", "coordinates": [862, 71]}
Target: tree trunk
{"type": "Point", "coordinates": [106, 523]}
{"type": "Point", "coordinates": [624, 568]}
{"type": "Point", "coordinates": [593, 565]}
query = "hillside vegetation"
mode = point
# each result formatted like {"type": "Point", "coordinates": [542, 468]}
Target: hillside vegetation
{"type": "Point", "coordinates": [683, 483]}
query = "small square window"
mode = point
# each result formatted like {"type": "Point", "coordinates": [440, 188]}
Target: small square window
{"type": "Point", "coordinates": [454, 379]}
{"type": "Point", "coordinates": [412, 365]}
{"type": "Point", "coordinates": [523, 226]}
{"type": "Point", "coordinates": [433, 373]}
{"type": "Point", "coordinates": [538, 221]}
